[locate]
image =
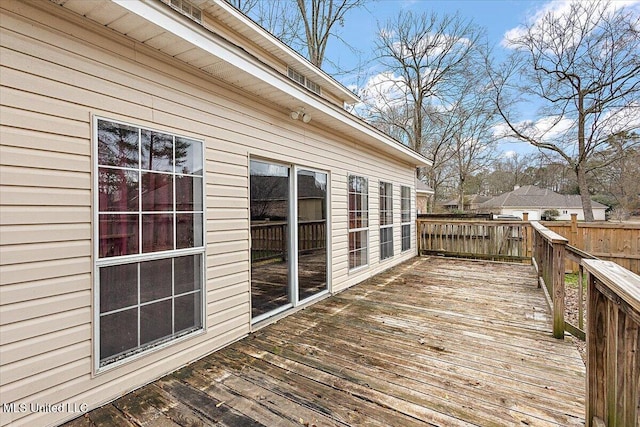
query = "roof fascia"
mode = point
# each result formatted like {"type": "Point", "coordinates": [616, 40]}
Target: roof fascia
{"type": "Point", "coordinates": [217, 46]}
{"type": "Point", "coordinates": [348, 96]}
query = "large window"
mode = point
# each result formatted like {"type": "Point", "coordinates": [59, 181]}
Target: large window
{"type": "Point", "coordinates": [358, 221]}
{"type": "Point", "coordinates": [405, 217]}
{"type": "Point", "coordinates": [150, 238]}
{"type": "Point", "coordinates": [386, 220]}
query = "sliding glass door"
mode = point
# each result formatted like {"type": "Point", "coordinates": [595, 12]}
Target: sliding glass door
{"type": "Point", "coordinates": [288, 237]}
{"type": "Point", "coordinates": [270, 231]}
{"type": "Point", "coordinates": [312, 233]}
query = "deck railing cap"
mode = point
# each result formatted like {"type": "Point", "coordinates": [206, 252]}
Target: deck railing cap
{"type": "Point", "coordinates": [549, 235]}
{"type": "Point", "coordinates": [621, 281]}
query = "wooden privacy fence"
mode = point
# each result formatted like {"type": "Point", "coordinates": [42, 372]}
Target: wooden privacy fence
{"type": "Point", "coordinates": [613, 334]}
{"type": "Point", "coordinates": [494, 240]}
{"type": "Point", "coordinates": [269, 240]}
{"type": "Point", "coordinates": [615, 242]}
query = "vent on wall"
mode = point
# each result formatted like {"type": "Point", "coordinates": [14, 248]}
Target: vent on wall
{"type": "Point", "coordinates": [186, 8]}
{"type": "Point", "coordinates": [302, 80]}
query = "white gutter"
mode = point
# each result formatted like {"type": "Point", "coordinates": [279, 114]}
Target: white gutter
{"type": "Point", "coordinates": [159, 14]}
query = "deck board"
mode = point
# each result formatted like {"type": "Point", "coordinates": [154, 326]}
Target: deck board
{"type": "Point", "coordinates": [433, 341]}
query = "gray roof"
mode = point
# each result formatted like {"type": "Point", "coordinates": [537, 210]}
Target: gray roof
{"type": "Point", "coordinates": [530, 196]}
{"type": "Point", "coordinates": [421, 187]}
{"type": "Point", "coordinates": [468, 199]}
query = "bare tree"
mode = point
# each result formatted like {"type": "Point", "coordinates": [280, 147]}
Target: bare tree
{"type": "Point", "coordinates": [475, 117]}
{"type": "Point", "coordinates": [320, 18]}
{"type": "Point", "coordinates": [307, 26]}
{"type": "Point", "coordinates": [280, 18]}
{"type": "Point", "coordinates": [618, 183]}
{"type": "Point", "coordinates": [424, 56]}
{"type": "Point", "coordinates": [583, 66]}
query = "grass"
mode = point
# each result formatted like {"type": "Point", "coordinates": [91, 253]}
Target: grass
{"type": "Point", "coordinates": [571, 280]}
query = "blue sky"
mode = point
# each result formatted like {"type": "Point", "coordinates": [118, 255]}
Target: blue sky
{"type": "Point", "coordinates": [361, 27]}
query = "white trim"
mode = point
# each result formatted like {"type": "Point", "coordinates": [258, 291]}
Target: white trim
{"type": "Point", "coordinates": [383, 184]}
{"type": "Point", "coordinates": [141, 256]}
{"type": "Point", "coordinates": [190, 31]}
{"type": "Point", "coordinates": [359, 229]}
{"type": "Point", "coordinates": [289, 53]}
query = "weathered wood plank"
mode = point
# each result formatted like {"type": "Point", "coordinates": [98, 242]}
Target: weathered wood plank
{"type": "Point", "coordinates": [436, 342]}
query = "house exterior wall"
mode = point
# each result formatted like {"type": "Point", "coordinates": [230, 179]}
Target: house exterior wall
{"type": "Point", "coordinates": [56, 77]}
{"type": "Point", "coordinates": [565, 214]}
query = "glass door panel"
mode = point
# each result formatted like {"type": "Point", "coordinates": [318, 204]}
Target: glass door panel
{"type": "Point", "coordinates": [312, 233]}
{"type": "Point", "coordinates": [269, 237]}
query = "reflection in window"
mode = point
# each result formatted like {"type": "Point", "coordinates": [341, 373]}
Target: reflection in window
{"type": "Point", "coordinates": [358, 200]}
{"type": "Point", "coordinates": [312, 233]}
{"type": "Point", "coordinates": [386, 220]}
{"type": "Point", "coordinates": [269, 207]}
{"type": "Point", "coordinates": [405, 216]}
{"type": "Point", "coordinates": [150, 209]}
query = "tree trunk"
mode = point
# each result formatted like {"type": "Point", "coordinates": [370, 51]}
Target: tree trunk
{"type": "Point", "coordinates": [580, 172]}
{"type": "Point", "coordinates": [584, 194]}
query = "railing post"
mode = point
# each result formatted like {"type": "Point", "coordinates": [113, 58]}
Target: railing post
{"type": "Point", "coordinates": [526, 232]}
{"type": "Point", "coordinates": [613, 344]}
{"type": "Point", "coordinates": [557, 279]}
{"type": "Point", "coordinates": [573, 238]}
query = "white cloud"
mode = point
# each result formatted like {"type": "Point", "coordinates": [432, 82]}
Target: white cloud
{"type": "Point", "coordinates": [560, 9]}
{"type": "Point", "coordinates": [383, 90]}
{"type": "Point", "coordinates": [545, 129]}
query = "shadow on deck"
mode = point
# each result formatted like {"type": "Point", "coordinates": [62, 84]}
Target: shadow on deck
{"type": "Point", "coordinates": [431, 342]}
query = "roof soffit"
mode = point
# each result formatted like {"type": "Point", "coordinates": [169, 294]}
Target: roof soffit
{"type": "Point", "coordinates": [176, 35]}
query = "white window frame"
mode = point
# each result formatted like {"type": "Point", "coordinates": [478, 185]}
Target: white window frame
{"type": "Point", "coordinates": [365, 229]}
{"type": "Point", "coordinates": [141, 257]}
{"type": "Point", "coordinates": [385, 197]}
{"type": "Point", "coordinates": [405, 215]}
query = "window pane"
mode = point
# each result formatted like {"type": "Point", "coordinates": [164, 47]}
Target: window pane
{"type": "Point", "coordinates": [155, 279]}
{"type": "Point", "coordinates": [386, 242]}
{"type": "Point", "coordinates": [157, 232]}
{"type": "Point", "coordinates": [358, 248]}
{"type": "Point", "coordinates": [188, 156]}
{"type": "Point", "coordinates": [118, 287]}
{"type": "Point", "coordinates": [189, 230]}
{"type": "Point", "coordinates": [157, 192]}
{"type": "Point", "coordinates": [405, 204]}
{"type": "Point", "coordinates": [118, 235]}
{"type": "Point", "coordinates": [118, 190]}
{"type": "Point", "coordinates": [188, 193]}
{"type": "Point", "coordinates": [117, 144]}
{"type": "Point", "coordinates": [188, 312]}
{"type": "Point", "coordinates": [188, 273]}
{"type": "Point", "coordinates": [155, 321]}
{"type": "Point", "coordinates": [118, 332]}
{"type": "Point", "coordinates": [157, 151]}
{"type": "Point", "coordinates": [406, 237]}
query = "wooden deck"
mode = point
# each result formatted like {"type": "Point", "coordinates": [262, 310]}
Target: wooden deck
{"type": "Point", "coordinates": [431, 342]}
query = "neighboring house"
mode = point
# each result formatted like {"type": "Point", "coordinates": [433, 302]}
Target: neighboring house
{"type": "Point", "coordinates": [134, 136]}
{"type": "Point", "coordinates": [535, 201]}
{"type": "Point", "coordinates": [424, 196]}
{"type": "Point", "coordinates": [472, 202]}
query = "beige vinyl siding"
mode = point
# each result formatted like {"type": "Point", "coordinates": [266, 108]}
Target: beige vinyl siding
{"type": "Point", "coordinates": [55, 77]}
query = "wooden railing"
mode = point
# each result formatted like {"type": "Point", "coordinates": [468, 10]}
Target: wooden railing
{"type": "Point", "coordinates": [548, 258]}
{"type": "Point", "coordinates": [269, 240]}
{"type": "Point", "coordinates": [613, 336]}
{"type": "Point", "coordinates": [494, 240]}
